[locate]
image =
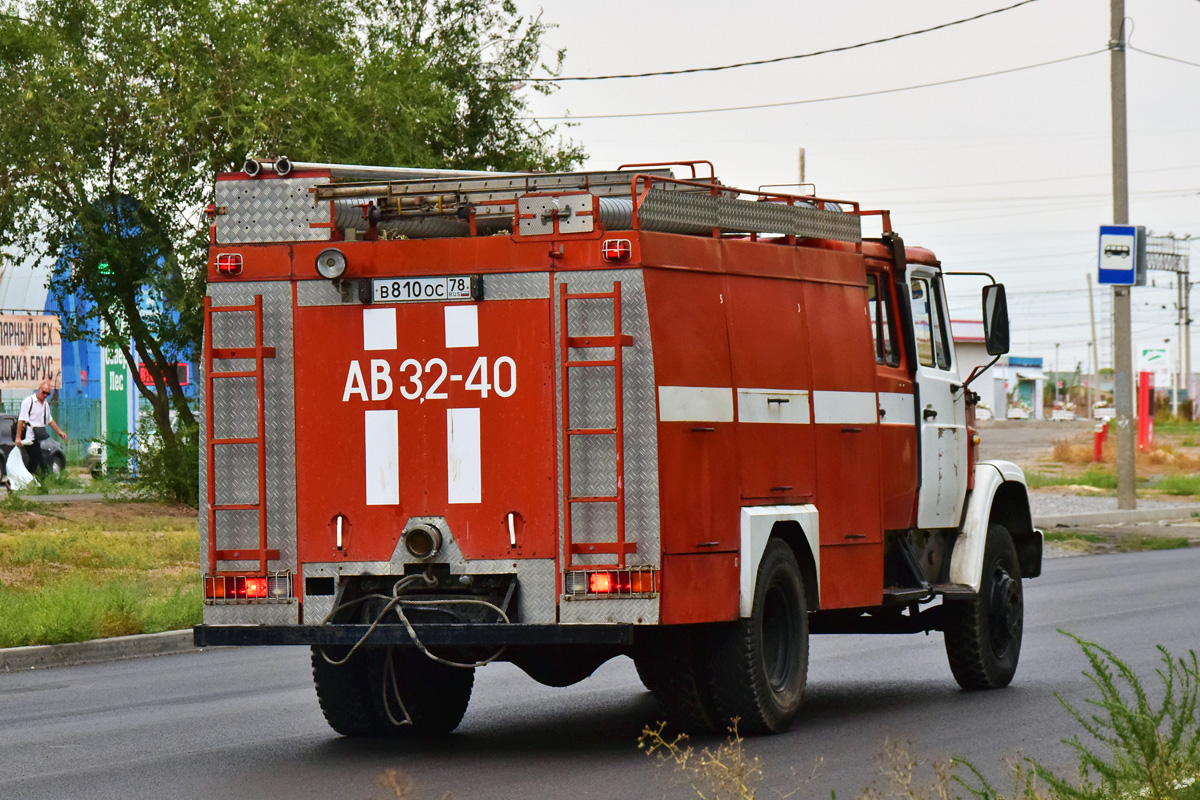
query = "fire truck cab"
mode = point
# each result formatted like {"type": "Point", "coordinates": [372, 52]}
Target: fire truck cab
{"type": "Point", "coordinates": [550, 419]}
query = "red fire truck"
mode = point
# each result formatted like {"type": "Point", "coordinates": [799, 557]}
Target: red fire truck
{"type": "Point", "coordinates": [549, 419]}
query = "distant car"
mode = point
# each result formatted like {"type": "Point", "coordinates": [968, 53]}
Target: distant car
{"type": "Point", "coordinates": [52, 452]}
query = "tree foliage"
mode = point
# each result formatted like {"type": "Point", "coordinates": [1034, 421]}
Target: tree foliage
{"type": "Point", "coordinates": [118, 113]}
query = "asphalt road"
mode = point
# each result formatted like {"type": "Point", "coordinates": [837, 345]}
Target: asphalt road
{"type": "Point", "coordinates": [245, 723]}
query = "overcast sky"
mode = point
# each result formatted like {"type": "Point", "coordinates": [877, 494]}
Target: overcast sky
{"type": "Point", "coordinates": [1009, 174]}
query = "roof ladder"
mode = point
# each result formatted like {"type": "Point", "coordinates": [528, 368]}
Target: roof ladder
{"type": "Point", "coordinates": [258, 353]}
{"type": "Point", "coordinates": [617, 341]}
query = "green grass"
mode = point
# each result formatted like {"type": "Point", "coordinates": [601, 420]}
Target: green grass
{"type": "Point", "coordinates": [1154, 543]}
{"type": "Point", "coordinates": [1101, 479]}
{"type": "Point", "coordinates": [1070, 536]}
{"type": "Point", "coordinates": [109, 571]}
{"type": "Point", "coordinates": [1177, 428]}
{"type": "Point", "coordinates": [1179, 484]}
{"type": "Point", "coordinates": [75, 609]}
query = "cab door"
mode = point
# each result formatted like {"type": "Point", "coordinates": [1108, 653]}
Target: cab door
{"type": "Point", "coordinates": [941, 401]}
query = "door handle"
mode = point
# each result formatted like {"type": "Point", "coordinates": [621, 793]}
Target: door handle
{"type": "Point", "coordinates": [929, 413]}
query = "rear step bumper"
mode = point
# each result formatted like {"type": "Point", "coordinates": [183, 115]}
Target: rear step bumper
{"type": "Point", "coordinates": [458, 634]}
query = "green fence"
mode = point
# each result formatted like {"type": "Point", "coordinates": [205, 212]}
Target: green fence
{"type": "Point", "coordinates": [79, 417]}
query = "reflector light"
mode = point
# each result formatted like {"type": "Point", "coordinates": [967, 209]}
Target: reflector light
{"type": "Point", "coordinates": [600, 582]}
{"type": "Point", "coordinates": [229, 263]}
{"type": "Point", "coordinates": [616, 250]}
{"type": "Point", "coordinates": [247, 588]}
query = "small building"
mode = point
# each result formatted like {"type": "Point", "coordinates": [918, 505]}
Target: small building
{"type": "Point", "coordinates": [1011, 385]}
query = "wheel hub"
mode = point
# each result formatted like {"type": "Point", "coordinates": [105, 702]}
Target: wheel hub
{"type": "Point", "coordinates": [1004, 610]}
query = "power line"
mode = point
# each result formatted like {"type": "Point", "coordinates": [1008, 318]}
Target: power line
{"type": "Point", "coordinates": [820, 99]}
{"type": "Point", "coordinates": [1022, 181]}
{"type": "Point", "coordinates": [775, 60]}
{"type": "Point", "coordinates": [1165, 58]}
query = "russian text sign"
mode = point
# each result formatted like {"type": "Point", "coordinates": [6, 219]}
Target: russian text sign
{"type": "Point", "coordinates": [30, 350]}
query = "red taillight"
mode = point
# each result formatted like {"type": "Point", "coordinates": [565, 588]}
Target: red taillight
{"type": "Point", "coordinates": [229, 263]}
{"type": "Point", "coordinates": [241, 588]}
{"type": "Point", "coordinates": [600, 582]}
{"type": "Point", "coordinates": [616, 250]}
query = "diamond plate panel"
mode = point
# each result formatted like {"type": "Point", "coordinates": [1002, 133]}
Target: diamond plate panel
{"type": "Point", "coordinates": [591, 393]}
{"type": "Point", "coordinates": [235, 409]}
{"type": "Point", "coordinates": [233, 328]}
{"type": "Point", "coordinates": [319, 293]}
{"type": "Point", "coordinates": [270, 210]}
{"type": "Point", "coordinates": [593, 467]}
{"type": "Point", "coordinates": [590, 317]}
{"type": "Point", "coordinates": [517, 286]}
{"type": "Point", "coordinates": [536, 577]}
{"type": "Point", "coordinates": [252, 614]}
{"type": "Point", "coordinates": [641, 421]}
{"type": "Point", "coordinates": [635, 610]}
{"type": "Point", "coordinates": [677, 212]}
{"type": "Point", "coordinates": [235, 468]}
{"type": "Point", "coordinates": [592, 523]}
{"type": "Point", "coordinates": [278, 389]}
{"type": "Point", "coordinates": [237, 530]}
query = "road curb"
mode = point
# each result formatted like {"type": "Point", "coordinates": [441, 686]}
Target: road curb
{"type": "Point", "coordinates": [16, 659]}
{"type": "Point", "coordinates": [1130, 516]}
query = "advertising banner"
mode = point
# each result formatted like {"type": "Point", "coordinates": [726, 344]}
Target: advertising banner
{"type": "Point", "coordinates": [30, 351]}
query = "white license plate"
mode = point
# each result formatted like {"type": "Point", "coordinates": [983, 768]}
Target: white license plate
{"type": "Point", "coordinates": [406, 290]}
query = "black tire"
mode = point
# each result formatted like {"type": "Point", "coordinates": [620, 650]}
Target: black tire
{"type": "Point", "coordinates": [359, 698]}
{"type": "Point", "coordinates": [58, 465]}
{"type": "Point", "coordinates": [672, 662]}
{"type": "Point", "coordinates": [983, 634]}
{"type": "Point", "coordinates": [760, 664]}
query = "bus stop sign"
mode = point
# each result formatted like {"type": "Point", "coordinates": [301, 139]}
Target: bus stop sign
{"type": "Point", "coordinates": [1123, 255]}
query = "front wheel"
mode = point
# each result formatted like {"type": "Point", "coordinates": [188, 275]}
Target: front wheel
{"type": "Point", "coordinates": [983, 634]}
{"type": "Point", "coordinates": [760, 664]}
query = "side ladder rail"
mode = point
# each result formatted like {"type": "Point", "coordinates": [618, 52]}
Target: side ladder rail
{"type": "Point", "coordinates": [617, 341]}
{"type": "Point", "coordinates": [258, 353]}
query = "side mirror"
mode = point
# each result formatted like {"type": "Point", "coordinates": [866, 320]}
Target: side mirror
{"type": "Point", "coordinates": [995, 319]}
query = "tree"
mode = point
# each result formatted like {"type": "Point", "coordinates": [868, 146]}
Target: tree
{"type": "Point", "coordinates": [118, 113]}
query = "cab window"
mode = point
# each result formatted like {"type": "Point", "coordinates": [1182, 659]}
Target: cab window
{"type": "Point", "coordinates": [929, 324]}
{"type": "Point", "coordinates": [879, 303]}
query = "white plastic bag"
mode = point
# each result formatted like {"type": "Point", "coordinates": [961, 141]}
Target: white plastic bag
{"type": "Point", "coordinates": [18, 475]}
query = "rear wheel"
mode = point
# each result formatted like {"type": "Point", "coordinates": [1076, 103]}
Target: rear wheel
{"type": "Point", "coordinates": [370, 694]}
{"type": "Point", "coordinates": [672, 662]}
{"type": "Point", "coordinates": [760, 664]}
{"type": "Point", "coordinates": [983, 634]}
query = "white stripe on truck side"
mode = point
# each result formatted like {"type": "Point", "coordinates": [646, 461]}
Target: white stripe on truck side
{"type": "Point", "coordinates": [845, 408]}
{"type": "Point", "coordinates": [695, 403]}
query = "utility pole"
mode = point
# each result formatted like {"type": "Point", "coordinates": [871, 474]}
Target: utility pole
{"type": "Point", "coordinates": [1122, 339]}
{"type": "Point", "coordinates": [1095, 382]}
{"type": "Point", "coordinates": [802, 166]}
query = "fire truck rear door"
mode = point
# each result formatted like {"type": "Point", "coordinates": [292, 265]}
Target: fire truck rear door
{"type": "Point", "coordinates": [941, 413]}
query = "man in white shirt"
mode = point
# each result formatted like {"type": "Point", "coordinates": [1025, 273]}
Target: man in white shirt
{"type": "Point", "coordinates": [35, 414]}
